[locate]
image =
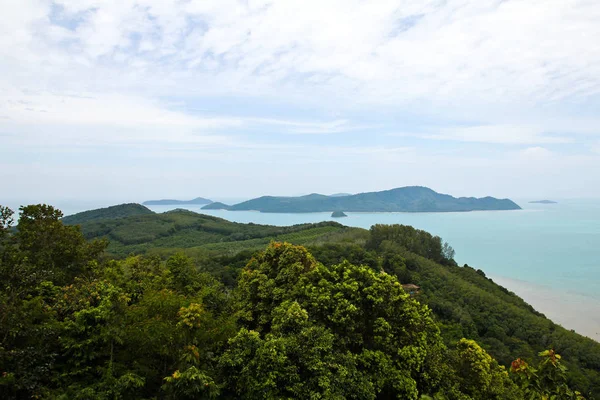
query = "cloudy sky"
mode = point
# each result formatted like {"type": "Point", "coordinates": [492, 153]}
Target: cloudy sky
{"type": "Point", "coordinates": [135, 99]}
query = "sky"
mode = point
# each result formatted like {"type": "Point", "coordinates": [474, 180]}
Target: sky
{"type": "Point", "coordinates": [128, 100]}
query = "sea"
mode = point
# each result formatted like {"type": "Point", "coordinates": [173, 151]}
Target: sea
{"type": "Point", "coordinates": [549, 254]}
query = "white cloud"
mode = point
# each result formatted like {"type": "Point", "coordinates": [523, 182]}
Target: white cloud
{"type": "Point", "coordinates": [92, 118]}
{"type": "Point", "coordinates": [378, 52]}
{"type": "Point", "coordinates": [97, 109]}
{"type": "Point", "coordinates": [95, 72]}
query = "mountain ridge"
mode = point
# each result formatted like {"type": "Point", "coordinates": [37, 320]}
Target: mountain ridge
{"type": "Point", "coordinates": [113, 212]}
{"type": "Point", "coordinates": [169, 202]}
{"type": "Point", "coordinates": [402, 199]}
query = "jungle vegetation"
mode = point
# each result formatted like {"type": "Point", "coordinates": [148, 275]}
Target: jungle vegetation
{"type": "Point", "coordinates": [180, 305]}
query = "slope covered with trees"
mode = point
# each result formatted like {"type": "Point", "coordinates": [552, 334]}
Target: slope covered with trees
{"type": "Point", "coordinates": [112, 212]}
{"type": "Point", "coordinates": [330, 321]}
{"type": "Point", "coordinates": [171, 231]}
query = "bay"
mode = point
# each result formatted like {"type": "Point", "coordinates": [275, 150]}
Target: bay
{"type": "Point", "coordinates": [548, 254]}
{"type": "Point", "coordinates": [554, 245]}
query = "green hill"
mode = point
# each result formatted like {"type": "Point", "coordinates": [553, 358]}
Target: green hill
{"type": "Point", "coordinates": [405, 199]}
{"type": "Point", "coordinates": [182, 229]}
{"type": "Point", "coordinates": [112, 212]}
{"type": "Point", "coordinates": [465, 302]}
{"type": "Point", "coordinates": [217, 205]}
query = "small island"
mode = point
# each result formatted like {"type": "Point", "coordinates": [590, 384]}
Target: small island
{"type": "Point", "coordinates": [543, 202]}
{"type": "Point", "coordinates": [171, 202]}
{"type": "Point", "coordinates": [217, 205]}
{"type": "Point", "coordinates": [338, 214]}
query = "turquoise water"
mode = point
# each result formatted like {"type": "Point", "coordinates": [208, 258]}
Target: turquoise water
{"type": "Point", "coordinates": [556, 245]}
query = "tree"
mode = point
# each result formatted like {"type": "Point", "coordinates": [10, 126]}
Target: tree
{"type": "Point", "coordinates": [480, 376]}
{"type": "Point", "coordinates": [42, 252]}
{"type": "Point", "coordinates": [6, 220]}
{"type": "Point", "coordinates": [58, 252]}
{"type": "Point", "coordinates": [448, 252]}
{"type": "Point", "coordinates": [547, 381]}
{"type": "Point", "coordinates": [361, 335]}
{"type": "Point", "coordinates": [411, 239]}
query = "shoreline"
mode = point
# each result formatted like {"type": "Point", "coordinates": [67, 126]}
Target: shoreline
{"type": "Point", "coordinates": [573, 311]}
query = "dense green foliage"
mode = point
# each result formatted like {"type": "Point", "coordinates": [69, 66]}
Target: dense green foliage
{"type": "Point", "coordinates": [414, 240]}
{"type": "Point", "coordinates": [169, 232]}
{"type": "Point", "coordinates": [408, 199]}
{"type": "Point", "coordinates": [332, 324]}
{"type": "Point", "coordinates": [467, 304]}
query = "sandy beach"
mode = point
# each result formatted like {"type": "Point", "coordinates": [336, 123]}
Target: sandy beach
{"type": "Point", "coordinates": [571, 310]}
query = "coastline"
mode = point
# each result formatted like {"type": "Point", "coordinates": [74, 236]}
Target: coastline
{"type": "Point", "coordinates": [573, 311]}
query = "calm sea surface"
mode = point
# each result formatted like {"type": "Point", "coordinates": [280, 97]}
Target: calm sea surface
{"type": "Point", "coordinates": [555, 245]}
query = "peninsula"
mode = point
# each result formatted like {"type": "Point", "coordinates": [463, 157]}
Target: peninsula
{"type": "Point", "coordinates": [171, 202]}
{"type": "Point", "coordinates": [404, 199]}
{"type": "Point", "coordinates": [217, 205]}
{"type": "Point", "coordinates": [543, 202]}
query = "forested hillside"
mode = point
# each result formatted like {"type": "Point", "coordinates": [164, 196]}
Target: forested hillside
{"type": "Point", "coordinates": [199, 312]}
{"type": "Point", "coordinates": [182, 229]}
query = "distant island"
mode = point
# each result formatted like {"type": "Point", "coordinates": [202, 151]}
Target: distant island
{"type": "Point", "coordinates": [338, 214]}
{"type": "Point", "coordinates": [340, 194]}
{"type": "Point", "coordinates": [404, 199]}
{"type": "Point", "coordinates": [543, 202]}
{"type": "Point", "coordinates": [171, 202]}
{"type": "Point", "coordinates": [217, 205]}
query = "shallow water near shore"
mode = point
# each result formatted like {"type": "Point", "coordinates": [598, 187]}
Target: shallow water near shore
{"type": "Point", "coordinates": [571, 310]}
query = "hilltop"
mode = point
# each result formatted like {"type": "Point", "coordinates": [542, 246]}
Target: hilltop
{"type": "Point", "coordinates": [338, 214]}
{"type": "Point", "coordinates": [340, 194]}
{"type": "Point", "coordinates": [112, 212]}
{"type": "Point", "coordinates": [217, 205]}
{"type": "Point", "coordinates": [404, 199]}
{"type": "Point", "coordinates": [183, 229]}
{"type": "Point", "coordinates": [170, 202]}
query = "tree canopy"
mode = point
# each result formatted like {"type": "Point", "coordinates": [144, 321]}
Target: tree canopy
{"type": "Point", "coordinates": [76, 324]}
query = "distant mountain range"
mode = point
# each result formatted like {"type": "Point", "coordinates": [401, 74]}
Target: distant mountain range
{"type": "Point", "coordinates": [340, 194]}
{"type": "Point", "coordinates": [171, 202]}
{"type": "Point", "coordinates": [404, 199]}
{"type": "Point", "coordinates": [543, 202]}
